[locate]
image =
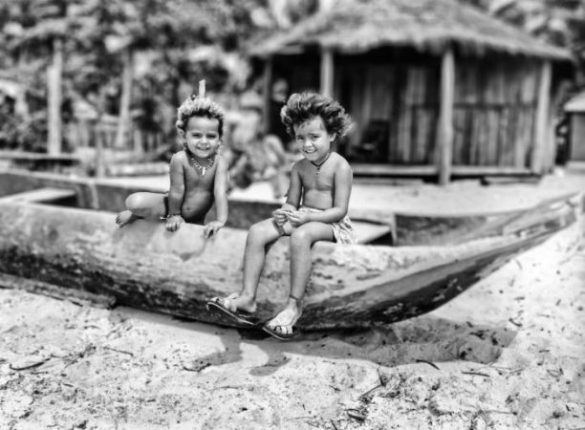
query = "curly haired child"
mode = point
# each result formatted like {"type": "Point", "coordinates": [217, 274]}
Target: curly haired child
{"type": "Point", "coordinates": [316, 209]}
{"type": "Point", "coordinates": [198, 173]}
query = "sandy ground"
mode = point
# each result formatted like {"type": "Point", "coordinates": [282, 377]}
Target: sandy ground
{"type": "Point", "coordinates": [506, 354]}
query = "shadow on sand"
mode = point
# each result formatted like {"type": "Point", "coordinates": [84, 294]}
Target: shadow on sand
{"type": "Point", "coordinates": [424, 339]}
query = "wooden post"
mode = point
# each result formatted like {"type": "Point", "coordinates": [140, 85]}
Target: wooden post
{"type": "Point", "coordinates": [327, 72]}
{"type": "Point", "coordinates": [445, 135]}
{"type": "Point", "coordinates": [542, 123]}
{"type": "Point", "coordinates": [267, 93]}
{"type": "Point", "coordinates": [124, 119]}
{"type": "Point", "coordinates": [55, 97]}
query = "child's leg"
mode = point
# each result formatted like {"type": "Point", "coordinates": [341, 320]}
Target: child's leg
{"type": "Point", "coordinates": [259, 235]}
{"type": "Point", "coordinates": [143, 205]}
{"type": "Point", "coordinates": [301, 241]}
{"type": "Point", "coordinates": [235, 305]}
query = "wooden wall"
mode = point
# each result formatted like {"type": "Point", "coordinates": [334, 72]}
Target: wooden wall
{"type": "Point", "coordinates": [393, 97]}
{"type": "Point", "coordinates": [395, 108]}
{"type": "Point", "coordinates": [494, 112]}
{"type": "Point", "coordinates": [577, 137]}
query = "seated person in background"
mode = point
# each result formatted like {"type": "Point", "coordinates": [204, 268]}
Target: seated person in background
{"type": "Point", "coordinates": [198, 173]}
{"type": "Point", "coordinates": [252, 155]}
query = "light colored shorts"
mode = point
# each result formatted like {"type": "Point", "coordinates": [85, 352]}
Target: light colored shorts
{"type": "Point", "coordinates": [342, 230]}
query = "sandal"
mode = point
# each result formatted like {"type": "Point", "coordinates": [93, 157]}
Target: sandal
{"type": "Point", "coordinates": [278, 334]}
{"type": "Point", "coordinates": [239, 316]}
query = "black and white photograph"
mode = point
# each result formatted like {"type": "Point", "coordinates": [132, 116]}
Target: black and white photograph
{"type": "Point", "coordinates": [292, 214]}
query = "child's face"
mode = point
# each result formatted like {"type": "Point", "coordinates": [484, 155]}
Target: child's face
{"type": "Point", "coordinates": [201, 136]}
{"type": "Point", "coordinates": [313, 139]}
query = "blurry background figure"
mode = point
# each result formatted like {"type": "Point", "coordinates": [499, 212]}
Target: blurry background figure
{"type": "Point", "coordinates": [252, 155]}
{"type": "Point", "coordinates": [278, 98]}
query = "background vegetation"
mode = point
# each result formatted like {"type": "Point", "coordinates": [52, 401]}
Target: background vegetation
{"type": "Point", "coordinates": [136, 60]}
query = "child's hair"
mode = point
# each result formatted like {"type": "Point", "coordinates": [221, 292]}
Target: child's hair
{"type": "Point", "coordinates": [301, 107]}
{"type": "Point", "coordinates": [199, 106]}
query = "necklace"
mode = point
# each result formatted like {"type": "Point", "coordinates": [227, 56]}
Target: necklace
{"type": "Point", "coordinates": [318, 165]}
{"type": "Point", "coordinates": [198, 166]}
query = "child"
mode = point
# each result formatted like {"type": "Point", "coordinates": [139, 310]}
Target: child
{"type": "Point", "coordinates": [315, 209]}
{"type": "Point", "coordinates": [198, 173]}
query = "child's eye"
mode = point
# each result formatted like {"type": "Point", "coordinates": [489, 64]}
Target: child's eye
{"type": "Point", "coordinates": [211, 136]}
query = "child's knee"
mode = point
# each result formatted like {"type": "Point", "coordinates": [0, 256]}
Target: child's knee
{"type": "Point", "coordinates": [257, 233]}
{"type": "Point", "coordinates": [133, 202]}
{"type": "Point", "coordinates": [138, 205]}
{"type": "Point", "coordinates": [300, 237]}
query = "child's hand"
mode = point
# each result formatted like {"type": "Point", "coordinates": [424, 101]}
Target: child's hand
{"type": "Point", "coordinates": [297, 218]}
{"type": "Point", "coordinates": [174, 222]}
{"type": "Point", "coordinates": [212, 228]}
{"type": "Point", "coordinates": [280, 216]}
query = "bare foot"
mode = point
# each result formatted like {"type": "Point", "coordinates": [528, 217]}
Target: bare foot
{"type": "Point", "coordinates": [125, 217]}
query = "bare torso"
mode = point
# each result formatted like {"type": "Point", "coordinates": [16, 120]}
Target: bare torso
{"type": "Point", "coordinates": [198, 194]}
{"type": "Point", "coordinates": [319, 188]}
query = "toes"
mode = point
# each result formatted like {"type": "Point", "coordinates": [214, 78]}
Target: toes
{"type": "Point", "coordinates": [283, 329]}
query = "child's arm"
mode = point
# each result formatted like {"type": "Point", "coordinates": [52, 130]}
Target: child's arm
{"type": "Point", "coordinates": [293, 198]}
{"type": "Point", "coordinates": [221, 200]}
{"type": "Point", "coordinates": [342, 184]}
{"type": "Point", "coordinates": [176, 194]}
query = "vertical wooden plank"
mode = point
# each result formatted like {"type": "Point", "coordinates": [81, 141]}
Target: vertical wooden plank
{"type": "Point", "coordinates": [476, 136]}
{"type": "Point", "coordinates": [55, 98]}
{"type": "Point", "coordinates": [521, 137]}
{"type": "Point", "coordinates": [459, 115]}
{"type": "Point", "coordinates": [424, 126]}
{"type": "Point", "coordinates": [327, 72]}
{"type": "Point", "coordinates": [492, 147]}
{"type": "Point", "coordinates": [541, 126]}
{"type": "Point", "coordinates": [503, 140]}
{"type": "Point", "coordinates": [405, 118]}
{"type": "Point", "coordinates": [420, 124]}
{"type": "Point", "coordinates": [446, 117]}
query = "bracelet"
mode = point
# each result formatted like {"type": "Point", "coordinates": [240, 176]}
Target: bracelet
{"type": "Point", "coordinates": [165, 218]}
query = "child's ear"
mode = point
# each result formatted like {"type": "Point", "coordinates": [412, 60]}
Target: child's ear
{"type": "Point", "coordinates": [332, 137]}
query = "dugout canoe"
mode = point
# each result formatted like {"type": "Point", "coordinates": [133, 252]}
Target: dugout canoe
{"type": "Point", "coordinates": [82, 252]}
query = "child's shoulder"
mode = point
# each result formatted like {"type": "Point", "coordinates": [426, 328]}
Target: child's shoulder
{"type": "Point", "coordinates": [301, 164]}
{"type": "Point", "coordinates": [179, 155]}
{"type": "Point", "coordinates": [340, 161]}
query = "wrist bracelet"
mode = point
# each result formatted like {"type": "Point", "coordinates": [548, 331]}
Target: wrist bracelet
{"type": "Point", "coordinates": [165, 218]}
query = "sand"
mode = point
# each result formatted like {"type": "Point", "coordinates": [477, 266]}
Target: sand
{"type": "Point", "coordinates": [506, 354]}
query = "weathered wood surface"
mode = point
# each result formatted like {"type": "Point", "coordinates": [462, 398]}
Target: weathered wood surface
{"type": "Point", "coordinates": [142, 265]}
{"type": "Point", "coordinates": [43, 195]}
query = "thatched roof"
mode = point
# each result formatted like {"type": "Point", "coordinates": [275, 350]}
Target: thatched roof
{"type": "Point", "coordinates": [428, 25]}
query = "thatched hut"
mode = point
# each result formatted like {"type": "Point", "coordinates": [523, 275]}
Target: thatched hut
{"type": "Point", "coordinates": [436, 88]}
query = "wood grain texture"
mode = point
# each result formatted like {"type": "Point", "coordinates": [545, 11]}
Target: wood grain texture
{"type": "Point", "coordinates": [143, 265]}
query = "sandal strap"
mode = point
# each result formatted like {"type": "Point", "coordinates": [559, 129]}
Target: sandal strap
{"type": "Point", "coordinates": [296, 299]}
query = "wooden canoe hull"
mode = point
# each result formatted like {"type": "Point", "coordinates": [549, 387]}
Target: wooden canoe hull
{"type": "Point", "coordinates": [144, 266]}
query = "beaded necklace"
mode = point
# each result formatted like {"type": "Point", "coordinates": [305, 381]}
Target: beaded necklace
{"type": "Point", "coordinates": [319, 164]}
{"type": "Point", "coordinates": [201, 169]}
